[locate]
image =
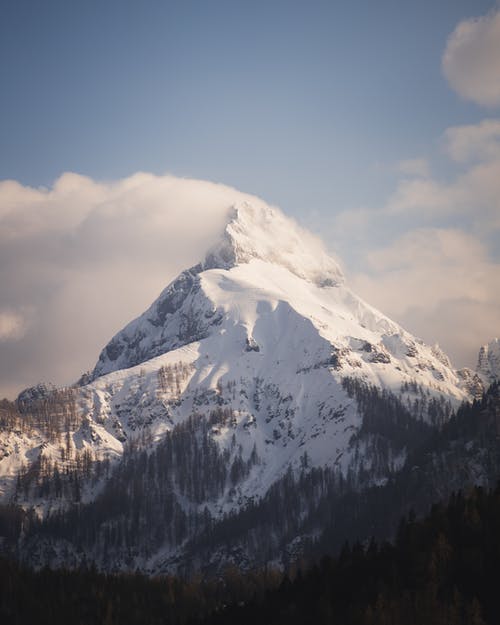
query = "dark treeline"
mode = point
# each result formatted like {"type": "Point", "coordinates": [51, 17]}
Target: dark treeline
{"type": "Point", "coordinates": [463, 452]}
{"type": "Point", "coordinates": [439, 570]}
{"type": "Point", "coordinates": [86, 597]}
{"type": "Point", "coordinates": [442, 570]}
{"type": "Point", "coordinates": [139, 510]}
{"type": "Point", "coordinates": [333, 508]}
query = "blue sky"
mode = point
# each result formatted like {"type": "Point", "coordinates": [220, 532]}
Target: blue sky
{"type": "Point", "coordinates": [307, 104]}
{"type": "Point", "coordinates": [375, 124]}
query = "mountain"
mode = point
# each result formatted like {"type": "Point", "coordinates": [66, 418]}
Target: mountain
{"type": "Point", "coordinates": [258, 239]}
{"type": "Point", "coordinates": [488, 365]}
{"type": "Point", "coordinates": [440, 569]}
{"type": "Point", "coordinates": [254, 369]}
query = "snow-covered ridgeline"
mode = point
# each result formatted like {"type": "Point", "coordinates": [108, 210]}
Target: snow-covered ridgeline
{"type": "Point", "coordinates": [264, 327]}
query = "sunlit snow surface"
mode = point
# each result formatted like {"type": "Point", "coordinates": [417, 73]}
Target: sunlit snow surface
{"type": "Point", "coordinates": [266, 327]}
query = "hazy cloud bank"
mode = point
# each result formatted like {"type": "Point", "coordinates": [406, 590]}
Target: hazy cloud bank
{"type": "Point", "coordinates": [441, 284]}
{"type": "Point", "coordinates": [438, 271]}
{"type": "Point", "coordinates": [81, 259]}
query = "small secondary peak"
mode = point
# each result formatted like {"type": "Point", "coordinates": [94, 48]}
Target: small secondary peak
{"type": "Point", "coordinates": [488, 363]}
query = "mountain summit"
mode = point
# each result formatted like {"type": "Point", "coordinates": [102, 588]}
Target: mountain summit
{"type": "Point", "coordinates": [252, 369]}
{"type": "Point", "coordinates": [258, 231]}
{"type": "Point", "coordinates": [255, 235]}
{"type": "Point", "coordinates": [263, 264]}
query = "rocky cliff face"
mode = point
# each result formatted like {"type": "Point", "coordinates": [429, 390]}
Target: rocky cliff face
{"type": "Point", "coordinates": [256, 366]}
{"type": "Point", "coordinates": [488, 363]}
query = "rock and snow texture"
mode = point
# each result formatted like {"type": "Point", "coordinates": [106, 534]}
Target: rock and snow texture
{"type": "Point", "coordinates": [262, 262]}
{"type": "Point", "coordinates": [488, 364]}
{"type": "Point", "coordinates": [254, 232]}
{"type": "Point", "coordinates": [266, 329]}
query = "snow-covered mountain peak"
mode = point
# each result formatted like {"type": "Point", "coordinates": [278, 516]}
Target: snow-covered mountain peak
{"type": "Point", "coordinates": [256, 230]}
{"type": "Point", "coordinates": [250, 369]}
{"type": "Point", "coordinates": [256, 236]}
{"type": "Point", "coordinates": [265, 264]}
{"type": "Point", "coordinates": [488, 365]}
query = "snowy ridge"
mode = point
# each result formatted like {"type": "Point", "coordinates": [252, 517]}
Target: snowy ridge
{"type": "Point", "coordinates": [257, 341]}
{"type": "Point", "coordinates": [254, 232]}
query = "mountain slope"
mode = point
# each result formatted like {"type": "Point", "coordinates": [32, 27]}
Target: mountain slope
{"type": "Point", "coordinates": [269, 335]}
{"type": "Point", "coordinates": [238, 374]}
{"type": "Point", "coordinates": [253, 232]}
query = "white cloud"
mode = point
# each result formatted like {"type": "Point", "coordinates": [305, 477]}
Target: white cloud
{"type": "Point", "coordinates": [12, 326]}
{"type": "Point", "coordinates": [471, 61]}
{"type": "Point", "coordinates": [414, 167]}
{"type": "Point", "coordinates": [439, 283]}
{"type": "Point", "coordinates": [442, 262]}
{"type": "Point", "coordinates": [88, 256]}
{"type": "Point", "coordinates": [475, 142]}
{"type": "Point", "coordinates": [425, 196]}
{"type": "Point", "coordinates": [473, 195]}
{"type": "Point", "coordinates": [427, 257]}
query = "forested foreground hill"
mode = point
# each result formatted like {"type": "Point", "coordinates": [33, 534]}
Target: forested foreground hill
{"type": "Point", "coordinates": [440, 570]}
